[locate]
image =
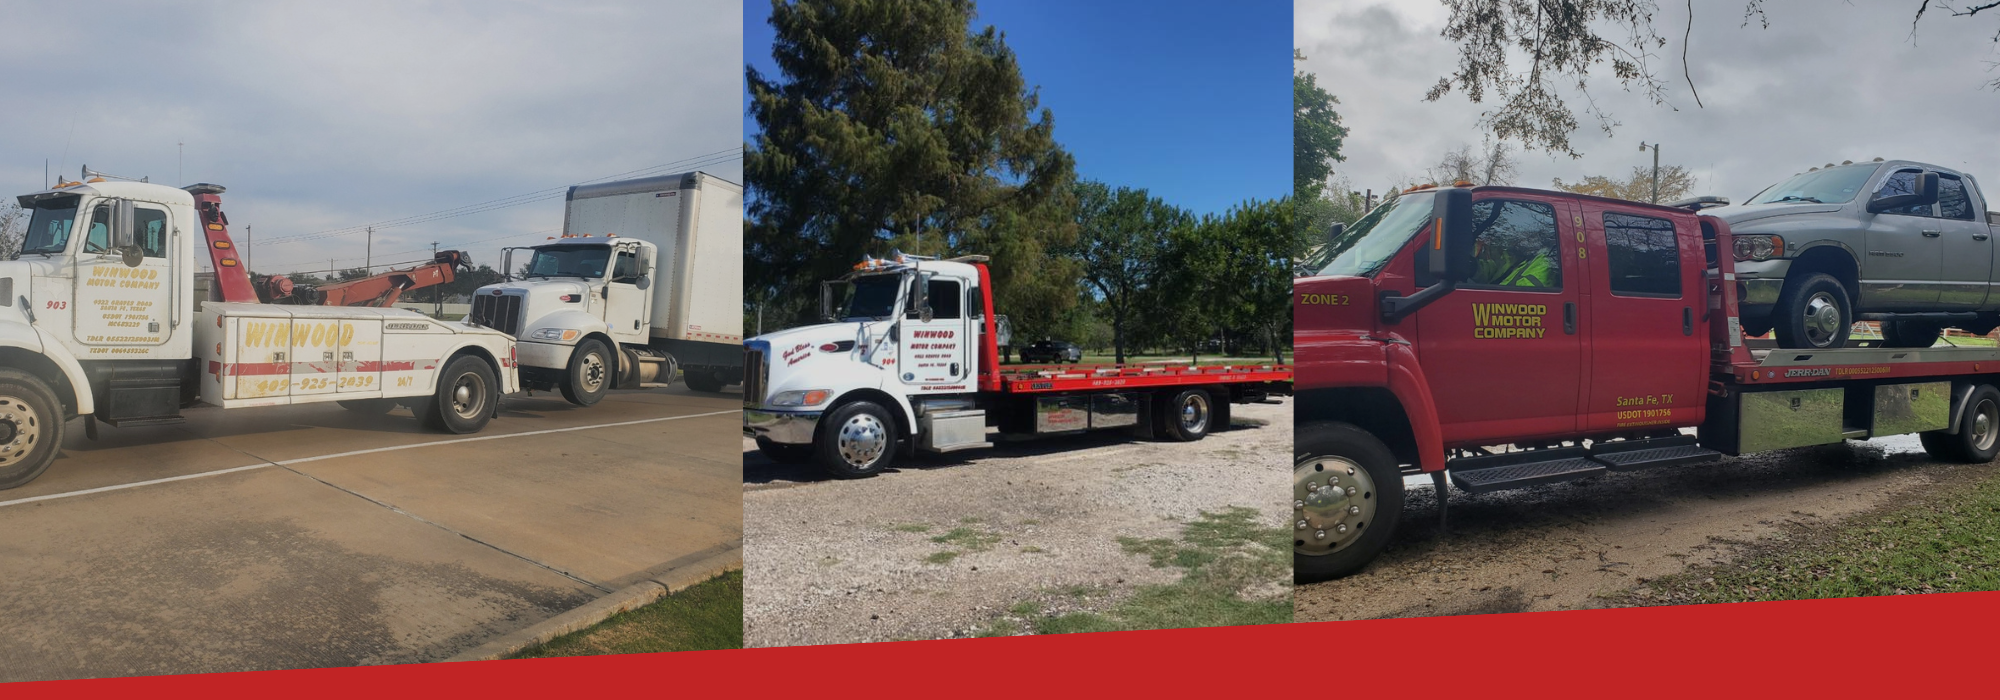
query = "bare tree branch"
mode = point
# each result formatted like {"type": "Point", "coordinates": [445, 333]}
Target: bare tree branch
{"type": "Point", "coordinates": [1684, 57]}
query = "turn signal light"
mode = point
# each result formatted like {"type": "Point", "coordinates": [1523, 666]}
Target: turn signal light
{"type": "Point", "coordinates": [229, 262]}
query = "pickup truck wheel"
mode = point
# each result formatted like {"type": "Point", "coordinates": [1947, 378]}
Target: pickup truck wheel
{"type": "Point", "coordinates": [703, 381]}
{"type": "Point", "coordinates": [856, 440]}
{"type": "Point", "coordinates": [1812, 314]}
{"type": "Point", "coordinates": [1978, 438]}
{"type": "Point", "coordinates": [31, 428]}
{"type": "Point", "coordinates": [1189, 415]}
{"type": "Point", "coordinates": [370, 407]}
{"type": "Point", "coordinates": [588, 375]}
{"type": "Point", "coordinates": [1909, 334]}
{"type": "Point", "coordinates": [785, 454]}
{"type": "Point", "coordinates": [464, 399]}
{"type": "Point", "coordinates": [1347, 497]}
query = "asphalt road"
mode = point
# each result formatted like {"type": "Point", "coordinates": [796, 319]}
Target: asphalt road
{"type": "Point", "coordinates": [309, 536]}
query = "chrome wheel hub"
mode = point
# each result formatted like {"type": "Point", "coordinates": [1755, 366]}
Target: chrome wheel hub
{"type": "Point", "coordinates": [20, 429]}
{"type": "Point", "coordinates": [862, 440]}
{"type": "Point", "coordinates": [591, 372]}
{"type": "Point", "coordinates": [1984, 419]}
{"type": "Point", "coordinates": [1194, 413]}
{"type": "Point", "coordinates": [1822, 319]}
{"type": "Point", "coordinates": [1333, 501]}
{"type": "Point", "coordinates": [466, 395]}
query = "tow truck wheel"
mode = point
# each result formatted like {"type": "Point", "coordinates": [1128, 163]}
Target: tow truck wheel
{"type": "Point", "coordinates": [785, 454]}
{"type": "Point", "coordinates": [1978, 438]}
{"type": "Point", "coordinates": [856, 440]}
{"type": "Point", "coordinates": [1909, 334]}
{"type": "Point", "coordinates": [589, 373]}
{"type": "Point", "coordinates": [1347, 496]}
{"type": "Point", "coordinates": [31, 428]}
{"type": "Point", "coordinates": [1813, 314]}
{"type": "Point", "coordinates": [1189, 415]}
{"type": "Point", "coordinates": [464, 399]}
{"type": "Point", "coordinates": [703, 381]}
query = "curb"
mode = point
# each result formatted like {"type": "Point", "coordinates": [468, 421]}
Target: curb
{"type": "Point", "coordinates": [667, 580]}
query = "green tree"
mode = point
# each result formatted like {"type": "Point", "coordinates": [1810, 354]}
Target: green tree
{"type": "Point", "coordinates": [1121, 236]}
{"type": "Point", "coordinates": [892, 126]}
{"type": "Point", "coordinates": [1675, 183]}
{"type": "Point", "coordinates": [13, 228]}
{"type": "Point", "coordinates": [1316, 134]}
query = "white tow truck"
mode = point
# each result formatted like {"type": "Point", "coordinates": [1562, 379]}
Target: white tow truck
{"type": "Point", "coordinates": [646, 279]}
{"type": "Point", "coordinates": [98, 319]}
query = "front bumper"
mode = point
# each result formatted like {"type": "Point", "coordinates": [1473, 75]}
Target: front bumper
{"type": "Point", "coordinates": [782, 427]}
{"type": "Point", "coordinates": [548, 355]}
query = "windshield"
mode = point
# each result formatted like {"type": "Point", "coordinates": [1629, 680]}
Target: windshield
{"type": "Point", "coordinates": [1828, 186]}
{"type": "Point", "coordinates": [569, 261]}
{"type": "Point", "coordinates": [48, 231]}
{"type": "Point", "coordinates": [1366, 245]}
{"type": "Point", "coordinates": [874, 297]}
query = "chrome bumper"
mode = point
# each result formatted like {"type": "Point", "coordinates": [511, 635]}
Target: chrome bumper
{"type": "Point", "coordinates": [781, 427]}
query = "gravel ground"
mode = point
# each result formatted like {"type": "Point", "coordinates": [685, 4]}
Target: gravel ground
{"type": "Point", "coordinates": [829, 561]}
{"type": "Point", "coordinates": [1565, 546]}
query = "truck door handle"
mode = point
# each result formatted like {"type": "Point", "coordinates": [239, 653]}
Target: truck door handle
{"type": "Point", "coordinates": [1932, 234]}
{"type": "Point", "coordinates": [1980, 236]}
{"type": "Point", "coordinates": [1569, 317]}
{"type": "Point", "coordinates": [1687, 321]}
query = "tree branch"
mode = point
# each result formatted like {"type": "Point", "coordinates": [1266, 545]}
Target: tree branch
{"type": "Point", "coordinates": [1684, 56]}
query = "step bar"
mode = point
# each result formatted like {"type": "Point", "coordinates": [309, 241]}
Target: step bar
{"type": "Point", "coordinates": [1513, 470]}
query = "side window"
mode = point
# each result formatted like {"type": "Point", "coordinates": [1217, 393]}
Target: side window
{"type": "Point", "coordinates": [975, 302]}
{"type": "Point", "coordinates": [1643, 255]}
{"type": "Point", "coordinates": [1953, 203]}
{"type": "Point", "coordinates": [150, 228]}
{"type": "Point", "coordinates": [945, 299]}
{"type": "Point", "coordinates": [97, 238]}
{"type": "Point", "coordinates": [627, 270]}
{"type": "Point", "coordinates": [1904, 182]}
{"type": "Point", "coordinates": [1516, 245]}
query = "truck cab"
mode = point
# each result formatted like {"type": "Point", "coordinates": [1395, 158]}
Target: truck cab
{"type": "Point", "coordinates": [575, 292]}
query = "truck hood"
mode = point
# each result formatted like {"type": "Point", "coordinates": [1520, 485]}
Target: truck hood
{"type": "Point", "coordinates": [835, 356]}
{"type": "Point", "coordinates": [18, 276]}
{"type": "Point", "coordinates": [1736, 216]}
{"type": "Point", "coordinates": [1334, 304]}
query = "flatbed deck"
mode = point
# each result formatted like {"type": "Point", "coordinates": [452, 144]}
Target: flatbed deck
{"type": "Point", "coordinates": [1770, 365]}
{"type": "Point", "coordinates": [1028, 380]}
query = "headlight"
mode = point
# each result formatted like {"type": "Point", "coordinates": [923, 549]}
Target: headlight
{"type": "Point", "coordinates": [553, 334]}
{"type": "Point", "coordinates": [811, 397]}
{"type": "Point", "coordinates": [1759, 247]}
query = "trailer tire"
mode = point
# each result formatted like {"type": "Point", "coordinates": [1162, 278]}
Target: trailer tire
{"type": "Point", "coordinates": [370, 407]}
{"type": "Point", "coordinates": [785, 454]}
{"type": "Point", "coordinates": [588, 376]}
{"type": "Point", "coordinates": [1978, 438]}
{"type": "Point", "coordinates": [856, 440]}
{"type": "Point", "coordinates": [1371, 472]}
{"type": "Point", "coordinates": [1188, 415]}
{"type": "Point", "coordinates": [465, 400]}
{"type": "Point", "coordinates": [1910, 334]}
{"type": "Point", "coordinates": [31, 423]}
{"type": "Point", "coordinates": [704, 381]}
{"type": "Point", "coordinates": [1813, 314]}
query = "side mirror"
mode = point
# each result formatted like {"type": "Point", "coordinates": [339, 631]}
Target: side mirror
{"type": "Point", "coordinates": [123, 238]}
{"type": "Point", "coordinates": [1451, 241]}
{"type": "Point", "coordinates": [826, 301]}
{"type": "Point", "coordinates": [1333, 234]}
{"type": "Point", "coordinates": [922, 298]}
{"type": "Point", "coordinates": [1926, 194]}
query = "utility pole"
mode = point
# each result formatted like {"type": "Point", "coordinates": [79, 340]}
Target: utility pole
{"type": "Point", "coordinates": [437, 291]}
{"type": "Point", "coordinates": [1656, 168]}
{"type": "Point", "coordinates": [246, 248]}
{"type": "Point", "coordinates": [368, 263]}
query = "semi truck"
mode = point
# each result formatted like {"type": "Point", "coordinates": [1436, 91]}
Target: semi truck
{"type": "Point", "coordinates": [1498, 338]}
{"type": "Point", "coordinates": [645, 281]}
{"type": "Point", "coordinates": [911, 363]}
{"type": "Point", "coordinates": [99, 320]}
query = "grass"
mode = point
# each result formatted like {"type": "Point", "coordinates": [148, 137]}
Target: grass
{"type": "Point", "coordinates": [1944, 541]}
{"type": "Point", "coordinates": [969, 538]}
{"type": "Point", "coordinates": [1220, 556]}
{"type": "Point", "coordinates": [707, 616]}
{"type": "Point", "coordinates": [911, 527]}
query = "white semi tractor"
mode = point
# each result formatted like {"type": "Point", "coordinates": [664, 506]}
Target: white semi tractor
{"type": "Point", "coordinates": [98, 319]}
{"type": "Point", "coordinates": [645, 280]}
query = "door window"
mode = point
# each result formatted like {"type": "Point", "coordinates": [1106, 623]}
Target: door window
{"type": "Point", "coordinates": [150, 228]}
{"type": "Point", "coordinates": [1904, 182]}
{"type": "Point", "coordinates": [97, 238]}
{"type": "Point", "coordinates": [945, 299]}
{"type": "Point", "coordinates": [627, 269]}
{"type": "Point", "coordinates": [1643, 255]}
{"type": "Point", "coordinates": [1516, 245]}
{"type": "Point", "coordinates": [1953, 203]}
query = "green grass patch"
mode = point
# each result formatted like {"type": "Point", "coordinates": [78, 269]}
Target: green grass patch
{"type": "Point", "coordinates": [707, 616]}
{"type": "Point", "coordinates": [973, 539]}
{"type": "Point", "coordinates": [943, 557]}
{"type": "Point", "coordinates": [1031, 549]}
{"type": "Point", "coordinates": [911, 527]}
{"type": "Point", "coordinates": [1944, 541]}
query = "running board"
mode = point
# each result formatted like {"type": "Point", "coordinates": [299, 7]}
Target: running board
{"type": "Point", "coordinates": [1627, 455]}
{"type": "Point", "coordinates": [1513, 470]}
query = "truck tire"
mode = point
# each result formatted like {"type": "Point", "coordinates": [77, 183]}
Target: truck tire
{"type": "Point", "coordinates": [31, 427]}
{"type": "Point", "coordinates": [589, 373]}
{"type": "Point", "coordinates": [1813, 314]}
{"type": "Point", "coordinates": [1909, 334]}
{"type": "Point", "coordinates": [1978, 429]}
{"type": "Point", "coordinates": [370, 407]}
{"type": "Point", "coordinates": [1338, 530]}
{"type": "Point", "coordinates": [856, 440]}
{"type": "Point", "coordinates": [704, 381]}
{"type": "Point", "coordinates": [1188, 416]}
{"type": "Point", "coordinates": [465, 397]}
{"type": "Point", "coordinates": [785, 454]}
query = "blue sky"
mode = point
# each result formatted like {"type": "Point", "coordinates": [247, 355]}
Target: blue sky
{"type": "Point", "coordinates": [1191, 101]}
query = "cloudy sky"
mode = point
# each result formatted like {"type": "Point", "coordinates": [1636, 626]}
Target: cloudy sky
{"type": "Point", "coordinates": [1826, 82]}
{"type": "Point", "coordinates": [321, 116]}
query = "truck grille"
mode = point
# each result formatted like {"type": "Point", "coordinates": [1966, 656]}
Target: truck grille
{"type": "Point", "coordinates": [753, 376]}
{"type": "Point", "coordinates": [501, 313]}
